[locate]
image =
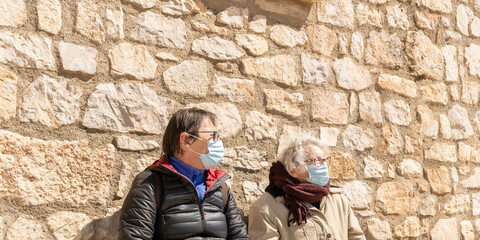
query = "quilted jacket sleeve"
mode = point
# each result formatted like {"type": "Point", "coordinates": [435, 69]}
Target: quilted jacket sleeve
{"type": "Point", "coordinates": [237, 229]}
{"type": "Point", "coordinates": [137, 220]}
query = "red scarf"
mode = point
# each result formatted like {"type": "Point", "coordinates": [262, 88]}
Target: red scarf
{"type": "Point", "coordinates": [295, 192]}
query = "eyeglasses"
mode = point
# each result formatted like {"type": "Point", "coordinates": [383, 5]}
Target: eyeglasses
{"type": "Point", "coordinates": [215, 137]}
{"type": "Point", "coordinates": [318, 161]}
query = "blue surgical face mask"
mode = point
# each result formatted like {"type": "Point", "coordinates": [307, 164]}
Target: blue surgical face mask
{"type": "Point", "coordinates": [214, 155]}
{"type": "Point", "coordinates": [318, 174]}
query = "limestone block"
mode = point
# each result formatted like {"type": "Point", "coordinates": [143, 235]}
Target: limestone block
{"type": "Point", "coordinates": [131, 60]}
{"type": "Point", "coordinates": [368, 15]}
{"type": "Point", "coordinates": [440, 180]}
{"type": "Point", "coordinates": [284, 103]}
{"type": "Point", "coordinates": [189, 77]}
{"type": "Point", "coordinates": [373, 168]}
{"type": "Point", "coordinates": [26, 228]}
{"type": "Point", "coordinates": [397, 198]}
{"type": "Point", "coordinates": [14, 13]}
{"type": "Point", "coordinates": [473, 181]}
{"type": "Point", "coordinates": [410, 168]}
{"type": "Point", "coordinates": [457, 204]}
{"type": "Point", "coordinates": [147, 112]}
{"type": "Point", "coordinates": [88, 22]}
{"type": "Point", "coordinates": [153, 28]}
{"type": "Point", "coordinates": [66, 225]}
{"type": "Point", "coordinates": [342, 166]}
{"type": "Point", "coordinates": [233, 16]}
{"type": "Point", "coordinates": [8, 94]}
{"type": "Point", "coordinates": [255, 45]}
{"type": "Point", "coordinates": [461, 126]}
{"type": "Point", "coordinates": [51, 102]}
{"type": "Point", "coordinates": [398, 85]}
{"type": "Point", "coordinates": [330, 107]}
{"type": "Point", "coordinates": [130, 144]}
{"type": "Point", "coordinates": [384, 49]}
{"type": "Point", "coordinates": [49, 16]}
{"type": "Point", "coordinates": [435, 93]}
{"type": "Point", "coordinates": [397, 17]}
{"type": "Point", "coordinates": [36, 172]}
{"type": "Point", "coordinates": [260, 126]}
{"type": "Point", "coordinates": [280, 68]}
{"type": "Point", "coordinates": [336, 12]}
{"type": "Point", "coordinates": [442, 152]}
{"type": "Point", "coordinates": [26, 50]}
{"type": "Point", "coordinates": [357, 47]}
{"type": "Point", "coordinates": [392, 141]}
{"type": "Point", "coordinates": [378, 229]}
{"type": "Point", "coordinates": [397, 112]}
{"type": "Point", "coordinates": [359, 194]}
{"type": "Point", "coordinates": [285, 36]}
{"type": "Point", "coordinates": [426, 59]}
{"type": "Point", "coordinates": [329, 136]}
{"type": "Point", "coordinates": [235, 89]}
{"type": "Point", "coordinates": [428, 125]}
{"type": "Point", "coordinates": [355, 137]}
{"type": "Point", "coordinates": [316, 70]}
{"type": "Point", "coordinates": [114, 22]}
{"type": "Point", "coordinates": [442, 6]}
{"type": "Point", "coordinates": [322, 39]}
{"type": "Point", "coordinates": [216, 48]}
{"type": "Point", "coordinates": [350, 75]}
{"type": "Point", "coordinates": [78, 59]}
{"type": "Point", "coordinates": [409, 228]}
{"type": "Point", "coordinates": [445, 229]}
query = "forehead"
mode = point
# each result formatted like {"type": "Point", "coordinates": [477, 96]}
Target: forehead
{"type": "Point", "coordinates": [314, 151]}
{"type": "Point", "coordinates": [207, 125]}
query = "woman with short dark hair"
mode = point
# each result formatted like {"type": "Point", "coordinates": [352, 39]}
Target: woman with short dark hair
{"type": "Point", "coordinates": [299, 202]}
{"type": "Point", "coordinates": [181, 196]}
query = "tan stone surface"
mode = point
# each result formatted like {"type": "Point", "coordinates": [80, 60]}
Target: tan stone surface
{"type": "Point", "coordinates": [235, 89]}
{"type": "Point", "coordinates": [26, 228]}
{"type": "Point", "coordinates": [145, 4]}
{"type": "Point", "coordinates": [147, 112]}
{"type": "Point", "coordinates": [460, 123]}
{"type": "Point", "coordinates": [131, 60]}
{"type": "Point", "coordinates": [78, 59]}
{"type": "Point", "coordinates": [428, 125]}
{"type": "Point", "coordinates": [355, 137]}
{"type": "Point", "coordinates": [397, 17]}
{"type": "Point", "coordinates": [443, 152]}
{"type": "Point", "coordinates": [284, 103]}
{"type": "Point", "coordinates": [409, 228]}
{"type": "Point", "coordinates": [336, 12]}
{"type": "Point", "coordinates": [322, 39]}
{"type": "Point", "coordinates": [435, 93]}
{"type": "Point", "coordinates": [359, 194]}
{"type": "Point", "coordinates": [260, 126]}
{"type": "Point", "coordinates": [8, 94]}
{"type": "Point", "coordinates": [216, 48]}
{"type": "Point", "coordinates": [258, 24]}
{"type": "Point", "coordinates": [114, 23]}
{"type": "Point", "coordinates": [398, 84]}
{"type": "Point", "coordinates": [52, 102]}
{"type": "Point", "coordinates": [14, 13]}
{"type": "Point", "coordinates": [66, 225]}
{"type": "Point", "coordinates": [370, 107]}
{"type": "Point", "coordinates": [471, 92]}
{"type": "Point", "coordinates": [413, 146]}
{"type": "Point", "coordinates": [233, 16]}
{"type": "Point", "coordinates": [285, 36]}
{"type": "Point", "coordinates": [189, 77]}
{"type": "Point", "coordinates": [36, 171]}
{"type": "Point", "coordinates": [392, 141]}
{"type": "Point", "coordinates": [315, 70]}
{"type": "Point", "coordinates": [350, 75]}
{"type": "Point", "coordinates": [445, 128]}
{"type": "Point", "coordinates": [397, 112]}
{"type": "Point", "coordinates": [445, 229]}
{"type": "Point", "coordinates": [130, 144]}
{"type": "Point", "coordinates": [329, 136]}
{"type": "Point", "coordinates": [442, 6]}
{"type": "Point", "coordinates": [49, 16]}
{"type": "Point", "coordinates": [440, 180]}
{"type": "Point", "coordinates": [289, 133]}
{"type": "Point", "coordinates": [255, 45]}
{"type": "Point", "coordinates": [280, 68]}
{"type": "Point", "coordinates": [464, 16]}
{"type": "Point", "coordinates": [384, 49]}
{"type": "Point", "coordinates": [370, 16]}
{"type": "Point", "coordinates": [356, 46]}
{"type": "Point", "coordinates": [373, 169]}
{"type": "Point", "coordinates": [397, 198]}
{"type": "Point", "coordinates": [426, 59]}
{"type": "Point", "coordinates": [451, 65]}
{"type": "Point", "coordinates": [27, 50]}
{"type": "Point", "coordinates": [88, 22]}
{"type": "Point", "coordinates": [153, 28]}
{"type": "Point", "coordinates": [330, 107]}
{"type": "Point", "coordinates": [472, 181]}
{"type": "Point", "coordinates": [466, 229]}
{"type": "Point", "coordinates": [457, 204]}
{"type": "Point", "coordinates": [472, 58]}
{"type": "Point", "coordinates": [378, 229]}
{"type": "Point", "coordinates": [342, 166]}
{"type": "Point", "coordinates": [469, 152]}
{"type": "Point", "coordinates": [426, 20]}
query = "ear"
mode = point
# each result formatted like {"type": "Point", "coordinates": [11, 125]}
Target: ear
{"type": "Point", "coordinates": [183, 139]}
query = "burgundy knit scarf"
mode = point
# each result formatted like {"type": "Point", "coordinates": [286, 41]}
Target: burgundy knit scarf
{"type": "Point", "coordinates": [295, 192]}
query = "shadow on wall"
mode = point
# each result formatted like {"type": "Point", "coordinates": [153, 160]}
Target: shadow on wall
{"type": "Point", "coordinates": [104, 228]}
{"type": "Point", "coordinates": [289, 12]}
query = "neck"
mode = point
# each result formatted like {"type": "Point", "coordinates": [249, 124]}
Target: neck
{"type": "Point", "coordinates": [190, 161]}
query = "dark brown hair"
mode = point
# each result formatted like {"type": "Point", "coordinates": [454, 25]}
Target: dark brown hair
{"type": "Point", "coordinates": [186, 120]}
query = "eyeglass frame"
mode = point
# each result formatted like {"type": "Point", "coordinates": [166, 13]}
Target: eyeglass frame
{"type": "Point", "coordinates": [215, 138]}
{"type": "Point", "coordinates": [315, 160]}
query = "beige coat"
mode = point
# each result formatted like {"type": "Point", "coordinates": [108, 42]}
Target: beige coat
{"type": "Point", "coordinates": [334, 219]}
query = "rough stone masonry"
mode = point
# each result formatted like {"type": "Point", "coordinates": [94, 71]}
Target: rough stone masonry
{"type": "Point", "coordinates": [391, 86]}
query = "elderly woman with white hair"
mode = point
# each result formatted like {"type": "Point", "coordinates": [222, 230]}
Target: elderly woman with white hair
{"type": "Point", "coordinates": [299, 202]}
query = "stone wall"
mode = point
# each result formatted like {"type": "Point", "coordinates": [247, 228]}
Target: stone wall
{"type": "Point", "coordinates": [87, 87]}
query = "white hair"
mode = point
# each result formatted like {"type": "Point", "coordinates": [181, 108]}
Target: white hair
{"type": "Point", "coordinates": [293, 156]}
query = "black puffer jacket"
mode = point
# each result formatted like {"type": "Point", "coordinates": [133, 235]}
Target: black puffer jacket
{"type": "Point", "coordinates": [181, 215]}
